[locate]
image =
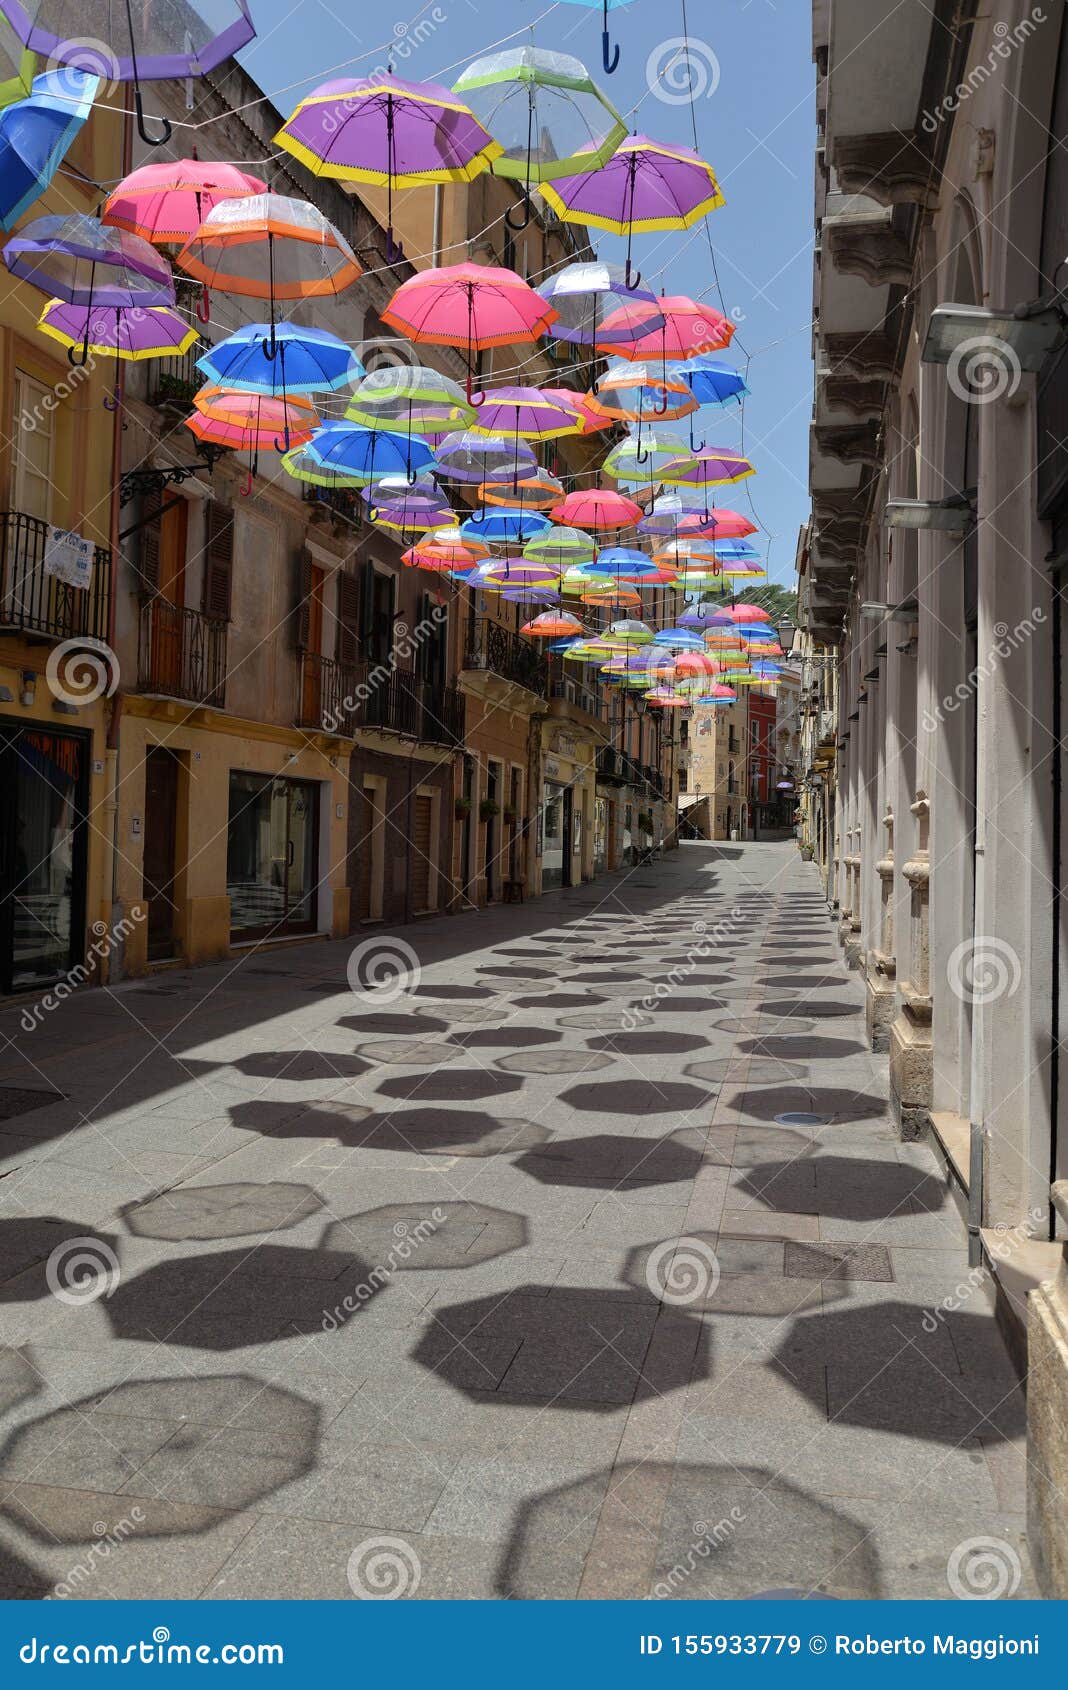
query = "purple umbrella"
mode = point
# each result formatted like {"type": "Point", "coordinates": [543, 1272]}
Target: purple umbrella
{"type": "Point", "coordinates": [645, 187]}
{"type": "Point", "coordinates": [472, 458]}
{"type": "Point", "coordinates": [585, 294]}
{"type": "Point", "coordinates": [166, 42]}
{"type": "Point", "coordinates": [84, 262]}
{"type": "Point", "coordinates": [126, 333]}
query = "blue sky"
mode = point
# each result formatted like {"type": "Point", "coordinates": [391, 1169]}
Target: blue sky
{"type": "Point", "coordinates": [751, 69]}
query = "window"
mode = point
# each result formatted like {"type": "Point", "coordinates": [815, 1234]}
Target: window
{"type": "Point", "coordinates": [378, 615]}
{"type": "Point", "coordinates": [34, 446]}
{"type": "Point", "coordinates": [684, 780]}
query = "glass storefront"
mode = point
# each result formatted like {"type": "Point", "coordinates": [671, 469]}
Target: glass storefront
{"type": "Point", "coordinates": [556, 836]}
{"type": "Point", "coordinates": [271, 855]}
{"type": "Point", "coordinates": [44, 778]}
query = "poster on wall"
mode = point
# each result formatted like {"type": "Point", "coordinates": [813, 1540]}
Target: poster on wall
{"type": "Point", "coordinates": [69, 557]}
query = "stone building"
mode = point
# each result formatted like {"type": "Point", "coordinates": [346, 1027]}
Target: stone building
{"type": "Point", "coordinates": [931, 573]}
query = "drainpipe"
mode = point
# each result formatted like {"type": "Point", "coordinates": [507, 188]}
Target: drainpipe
{"type": "Point", "coordinates": [1057, 772]}
{"type": "Point", "coordinates": [116, 955]}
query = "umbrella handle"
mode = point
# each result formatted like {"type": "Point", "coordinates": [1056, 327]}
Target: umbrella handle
{"type": "Point", "coordinates": [609, 55]}
{"type": "Point", "coordinates": [660, 410]}
{"type": "Point", "coordinates": [394, 250]}
{"type": "Point", "coordinates": [247, 488]}
{"type": "Point", "coordinates": [204, 305]}
{"type": "Point", "coordinates": [528, 212]}
{"type": "Point", "coordinates": [283, 445]}
{"type": "Point", "coordinates": [270, 347]}
{"type": "Point", "coordinates": [471, 400]}
{"type": "Point", "coordinates": [640, 456]}
{"type": "Point", "coordinates": [632, 278]}
{"type": "Point", "coordinates": [78, 357]}
{"type": "Point", "coordinates": [149, 139]}
{"type": "Point", "coordinates": [111, 401]}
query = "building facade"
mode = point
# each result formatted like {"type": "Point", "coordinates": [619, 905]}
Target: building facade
{"type": "Point", "coordinates": [931, 579]}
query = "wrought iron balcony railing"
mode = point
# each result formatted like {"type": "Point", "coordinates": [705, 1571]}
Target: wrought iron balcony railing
{"type": "Point", "coordinates": [343, 698]}
{"type": "Point", "coordinates": [181, 653]}
{"type": "Point", "coordinates": [35, 602]}
{"type": "Point", "coordinates": [489, 646]}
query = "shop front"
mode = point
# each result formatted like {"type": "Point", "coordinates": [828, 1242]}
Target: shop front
{"type": "Point", "coordinates": [44, 776]}
{"type": "Point", "coordinates": [567, 833]}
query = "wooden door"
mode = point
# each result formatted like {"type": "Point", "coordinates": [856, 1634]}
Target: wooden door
{"type": "Point", "coordinates": [161, 821]}
{"type": "Point", "coordinates": [421, 820]}
{"type": "Point", "coordinates": [168, 534]}
{"type": "Point", "coordinates": [312, 701]}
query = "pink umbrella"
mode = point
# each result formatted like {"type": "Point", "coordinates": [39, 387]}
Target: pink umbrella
{"type": "Point", "coordinates": [596, 507]}
{"type": "Point", "coordinates": [689, 329]}
{"type": "Point", "coordinates": [475, 306]}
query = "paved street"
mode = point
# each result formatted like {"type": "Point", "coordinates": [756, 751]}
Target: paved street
{"type": "Point", "coordinates": [589, 1266]}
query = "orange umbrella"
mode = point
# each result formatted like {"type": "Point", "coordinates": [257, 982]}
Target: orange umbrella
{"type": "Point", "coordinates": [249, 422]}
{"type": "Point", "coordinates": [552, 625]}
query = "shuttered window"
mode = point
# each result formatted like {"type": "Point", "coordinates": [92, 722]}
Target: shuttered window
{"type": "Point", "coordinates": [151, 540]}
{"type": "Point", "coordinates": [377, 621]}
{"type": "Point", "coordinates": [302, 589]}
{"type": "Point", "coordinates": [348, 618]}
{"type": "Point", "coordinates": [422, 810]}
{"type": "Point", "coordinates": [218, 559]}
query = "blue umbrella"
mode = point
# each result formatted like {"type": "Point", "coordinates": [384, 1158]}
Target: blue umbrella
{"type": "Point", "coordinates": [35, 134]}
{"type": "Point", "coordinates": [512, 526]}
{"type": "Point", "coordinates": [619, 560]}
{"type": "Point", "coordinates": [368, 453]}
{"type": "Point", "coordinates": [710, 380]}
{"type": "Point", "coordinates": [306, 361]}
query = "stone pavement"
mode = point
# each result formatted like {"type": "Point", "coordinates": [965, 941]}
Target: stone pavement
{"type": "Point", "coordinates": [588, 1266]}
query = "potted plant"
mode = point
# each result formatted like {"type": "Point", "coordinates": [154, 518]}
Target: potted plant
{"type": "Point", "coordinates": [488, 809]}
{"type": "Point", "coordinates": [510, 813]}
{"type": "Point", "coordinates": [462, 809]}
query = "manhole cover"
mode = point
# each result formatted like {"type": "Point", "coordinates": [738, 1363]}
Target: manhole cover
{"type": "Point", "coordinates": [798, 1118]}
{"type": "Point", "coordinates": [838, 1261]}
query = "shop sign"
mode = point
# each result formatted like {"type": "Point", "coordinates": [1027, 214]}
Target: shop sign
{"type": "Point", "coordinates": [552, 769]}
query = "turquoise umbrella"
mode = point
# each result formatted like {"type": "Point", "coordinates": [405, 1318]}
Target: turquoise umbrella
{"type": "Point", "coordinates": [35, 134]}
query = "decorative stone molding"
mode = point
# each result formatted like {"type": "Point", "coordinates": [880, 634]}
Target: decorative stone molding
{"type": "Point", "coordinates": [850, 443]}
{"type": "Point", "coordinates": [879, 255]}
{"type": "Point", "coordinates": [892, 167]}
{"type": "Point", "coordinates": [882, 963]}
{"type": "Point", "coordinates": [872, 355]}
{"type": "Point", "coordinates": [863, 397]}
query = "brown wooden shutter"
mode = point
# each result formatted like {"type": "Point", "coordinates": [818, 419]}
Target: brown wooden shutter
{"type": "Point", "coordinates": [367, 607]}
{"type": "Point", "coordinates": [302, 599]}
{"type": "Point", "coordinates": [420, 853]}
{"type": "Point", "coordinates": [151, 540]}
{"type": "Point", "coordinates": [218, 559]}
{"type": "Point", "coordinates": [348, 618]}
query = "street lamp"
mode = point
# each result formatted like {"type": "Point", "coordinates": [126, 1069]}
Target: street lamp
{"type": "Point", "coordinates": [1027, 335]}
{"type": "Point", "coordinates": [949, 515]}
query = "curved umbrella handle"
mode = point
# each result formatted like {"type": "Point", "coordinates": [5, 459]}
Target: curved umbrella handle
{"type": "Point", "coordinates": [149, 139]}
{"type": "Point", "coordinates": [528, 212]}
{"type": "Point", "coordinates": [640, 456]}
{"type": "Point", "coordinates": [283, 445]}
{"type": "Point", "coordinates": [204, 305]}
{"type": "Point", "coordinates": [247, 488]}
{"type": "Point", "coordinates": [78, 357]}
{"type": "Point", "coordinates": [394, 250]}
{"type": "Point", "coordinates": [411, 476]}
{"type": "Point", "coordinates": [609, 54]}
{"type": "Point", "coordinates": [270, 347]}
{"type": "Point", "coordinates": [471, 400]}
{"type": "Point", "coordinates": [632, 278]}
{"type": "Point", "coordinates": [112, 401]}
{"type": "Point", "coordinates": [660, 410]}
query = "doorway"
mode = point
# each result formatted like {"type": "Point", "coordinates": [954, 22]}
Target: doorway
{"type": "Point", "coordinates": [168, 634]}
{"type": "Point", "coordinates": [44, 778]}
{"type": "Point", "coordinates": [556, 836]}
{"type": "Point", "coordinates": [493, 796]}
{"type": "Point", "coordinates": [162, 770]}
{"type": "Point", "coordinates": [272, 855]}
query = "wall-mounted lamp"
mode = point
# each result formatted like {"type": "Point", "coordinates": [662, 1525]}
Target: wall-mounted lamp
{"type": "Point", "coordinates": [951, 515]}
{"type": "Point", "coordinates": [876, 610]}
{"type": "Point", "coordinates": [1029, 333]}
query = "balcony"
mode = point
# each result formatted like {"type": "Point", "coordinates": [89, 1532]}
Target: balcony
{"type": "Point", "coordinates": [181, 654]}
{"type": "Point", "coordinates": [175, 382]}
{"type": "Point", "coordinates": [345, 698]}
{"type": "Point", "coordinates": [617, 768]}
{"type": "Point", "coordinates": [507, 654]}
{"type": "Point", "coordinates": [36, 603]}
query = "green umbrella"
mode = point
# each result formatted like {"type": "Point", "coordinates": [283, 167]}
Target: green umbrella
{"type": "Point", "coordinates": [546, 112]}
{"type": "Point", "coordinates": [412, 398]}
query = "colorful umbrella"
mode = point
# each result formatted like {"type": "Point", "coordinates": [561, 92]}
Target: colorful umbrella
{"type": "Point", "coordinates": [629, 392]}
{"type": "Point", "coordinates": [650, 456]}
{"type": "Point", "coordinates": [504, 527]}
{"type": "Point", "coordinates": [596, 507]}
{"type": "Point", "coordinates": [716, 466]}
{"type": "Point", "coordinates": [533, 489]}
{"type": "Point", "coordinates": [35, 134]}
{"type": "Point", "coordinates": [585, 294]}
{"type": "Point", "coordinates": [129, 334]}
{"type": "Point", "coordinates": [411, 398]}
{"type": "Point", "coordinates": [270, 247]}
{"type": "Point", "coordinates": [167, 203]}
{"type": "Point", "coordinates": [388, 131]}
{"type": "Point", "coordinates": [552, 624]}
{"type": "Point", "coordinates": [645, 187]}
{"type": "Point", "coordinates": [369, 453]}
{"type": "Point", "coordinates": [472, 458]}
{"type": "Point", "coordinates": [303, 467]}
{"type": "Point", "coordinates": [249, 422]}
{"type": "Point", "coordinates": [687, 330]}
{"type": "Point", "coordinates": [307, 361]}
{"type": "Point", "coordinates": [474, 306]}
{"type": "Point", "coordinates": [17, 65]}
{"type": "Point", "coordinates": [663, 698]}
{"type": "Point", "coordinates": [622, 563]}
{"type": "Point", "coordinates": [561, 547]}
{"type": "Point", "coordinates": [412, 512]}
{"type": "Point", "coordinates": [512, 572]}
{"type": "Point", "coordinates": [579, 405]}
{"type": "Point", "coordinates": [710, 380]}
{"type": "Point", "coordinates": [166, 41]}
{"type": "Point", "coordinates": [549, 116]}
{"type": "Point", "coordinates": [631, 633]}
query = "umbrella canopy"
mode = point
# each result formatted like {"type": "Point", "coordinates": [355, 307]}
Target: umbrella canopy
{"type": "Point", "coordinates": [388, 131]}
{"type": "Point", "coordinates": [535, 489]}
{"type": "Point", "coordinates": [578, 404]}
{"type": "Point", "coordinates": [596, 507]}
{"type": "Point", "coordinates": [710, 380]}
{"type": "Point", "coordinates": [307, 361]}
{"type": "Point", "coordinates": [414, 511]}
{"type": "Point", "coordinates": [472, 458]}
{"type": "Point", "coordinates": [561, 547]}
{"type": "Point", "coordinates": [167, 203]}
{"type": "Point", "coordinates": [717, 466]}
{"type": "Point", "coordinates": [368, 453]}
{"type": "Point", "coordinates": [474, 306]}
{"type": "Point", "coordinates": [155, 41]}
{"type": "Point", "coordinates": [300, 464]}
{"type": "Point", "coordinates": [548, 115]}
{"type": "Point", "coordinates": [17, 65]}
{"type": "Point", "coordinates": [35, 134]}
{"type": "Point", "coordinates": [583, 295]}
{"type": "Point", "coordinates": [688, 329]}
{"type": "Point", "coordinates": [552, 624]}
{"type": "Point", "coordinates": [512, 572]}
{"type": "Point", "coordinates": [258, 413]}
{"type": "Point", "coordinates": [631, 391]}
{"type": "Point", "coordinates": [410, 398]}
{"type": "Point", "coordinates": [504, 527]}
{"type": "Point", "coordinates": [118, 331]}
{"type": "Point", "coordinates": [679, 639]}
{"type": "Point", "coordinates": [650, 456]}
{"type": "Point", "coordinates": [270, 247]}
{"type": "Point", "coordinates": [645, 187]}
{"type": "Point", "coordinates": [662, 698]}
{"type": "Point", "coordinates": [526, 413]}
{"type": "Point", "coordinates": [622, 563]}
{"type": "Point", "coordinates": [76, 258]}
{"type": "Point", "coordinates": [631, 633]}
